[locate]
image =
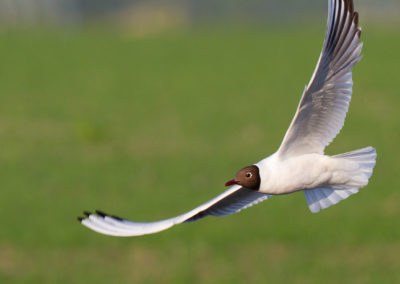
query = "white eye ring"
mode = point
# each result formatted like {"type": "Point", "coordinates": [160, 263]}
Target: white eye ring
{"type": "Point", "coordinates": [248, 175]}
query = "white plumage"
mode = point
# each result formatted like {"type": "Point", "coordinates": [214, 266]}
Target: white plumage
{"type": "Point", "coordinates": [299, 163]}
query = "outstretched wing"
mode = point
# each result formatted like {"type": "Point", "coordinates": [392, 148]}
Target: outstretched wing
{"type": "Point", "coordinates": [231, 201]}
{"type": "Point", "coordinates": [325, 101]}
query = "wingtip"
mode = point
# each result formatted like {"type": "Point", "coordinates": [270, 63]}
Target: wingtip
{"type": "Point", "coordinates": [101, 213]}
{"type": "Point", "coordinates": [356, 18]}
{"type": "Point", "coordinates": [350, 6]}
{"type": "Point", "coordinates": [117, 218]}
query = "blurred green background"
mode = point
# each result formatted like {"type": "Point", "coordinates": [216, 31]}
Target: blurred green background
{"type": "Point", "coordinates": [148, 118]}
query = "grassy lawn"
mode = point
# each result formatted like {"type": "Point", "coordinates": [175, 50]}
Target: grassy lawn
{"type": "Point", "coordinates": [148, 128]}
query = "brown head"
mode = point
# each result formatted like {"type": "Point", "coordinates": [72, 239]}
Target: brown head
{"type": "Point", "coordinates": [248, 177]}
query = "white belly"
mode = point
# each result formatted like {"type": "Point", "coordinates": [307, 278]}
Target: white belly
{"type": "Point", "coordinates": [301, 172]}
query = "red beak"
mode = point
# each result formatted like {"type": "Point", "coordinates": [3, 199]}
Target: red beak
{"type": "Point", "coordinates": [231, 182]}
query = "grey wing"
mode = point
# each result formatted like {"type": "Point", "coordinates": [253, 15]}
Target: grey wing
{"type": "Point", "coordinates": [231, 201]}
{"type": "Point", "coordinates": [325, 101]}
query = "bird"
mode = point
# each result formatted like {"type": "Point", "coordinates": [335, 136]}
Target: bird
{"type": "Point", "coordinates": [299, 164]}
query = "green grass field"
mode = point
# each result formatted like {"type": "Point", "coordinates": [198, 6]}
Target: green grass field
{"type": "Point", "coordinates": [148, 128]}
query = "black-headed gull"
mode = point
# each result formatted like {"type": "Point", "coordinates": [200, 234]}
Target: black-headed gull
{"type": "Point", "coordinates": [299, 163]}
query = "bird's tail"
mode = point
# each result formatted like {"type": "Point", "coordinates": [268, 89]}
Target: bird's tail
{"type": "Point", "coordinates": [365, 158]}
{"type": "Point", "coordinates": [321, 198]}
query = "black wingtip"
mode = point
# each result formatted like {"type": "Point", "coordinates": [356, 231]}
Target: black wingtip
{"type": "Point", "coordinates": [351, 6]}
{"type": "Point", "coordinates": [80, 219]}
{"type": "Point", "coordinates": [116, 217]}
{"type": "Point", "coordinates": [356, 18]}
{"type": "Point", "coordinates": [101, 213]}
{"type": "Point", "coordinates": [87, 213]}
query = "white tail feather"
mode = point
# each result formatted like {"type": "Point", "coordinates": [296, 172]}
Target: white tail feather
{"type": "Point", "coordinates": [365, 157]}
{"type": "Point", "coordinates": [321, 198]}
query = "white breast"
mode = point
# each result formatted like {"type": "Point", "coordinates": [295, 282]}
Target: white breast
{"type": "Point", "coordinates": [289, 175]}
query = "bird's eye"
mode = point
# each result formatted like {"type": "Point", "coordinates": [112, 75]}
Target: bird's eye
{"type": "Point", "coordinates": [248, 175]}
